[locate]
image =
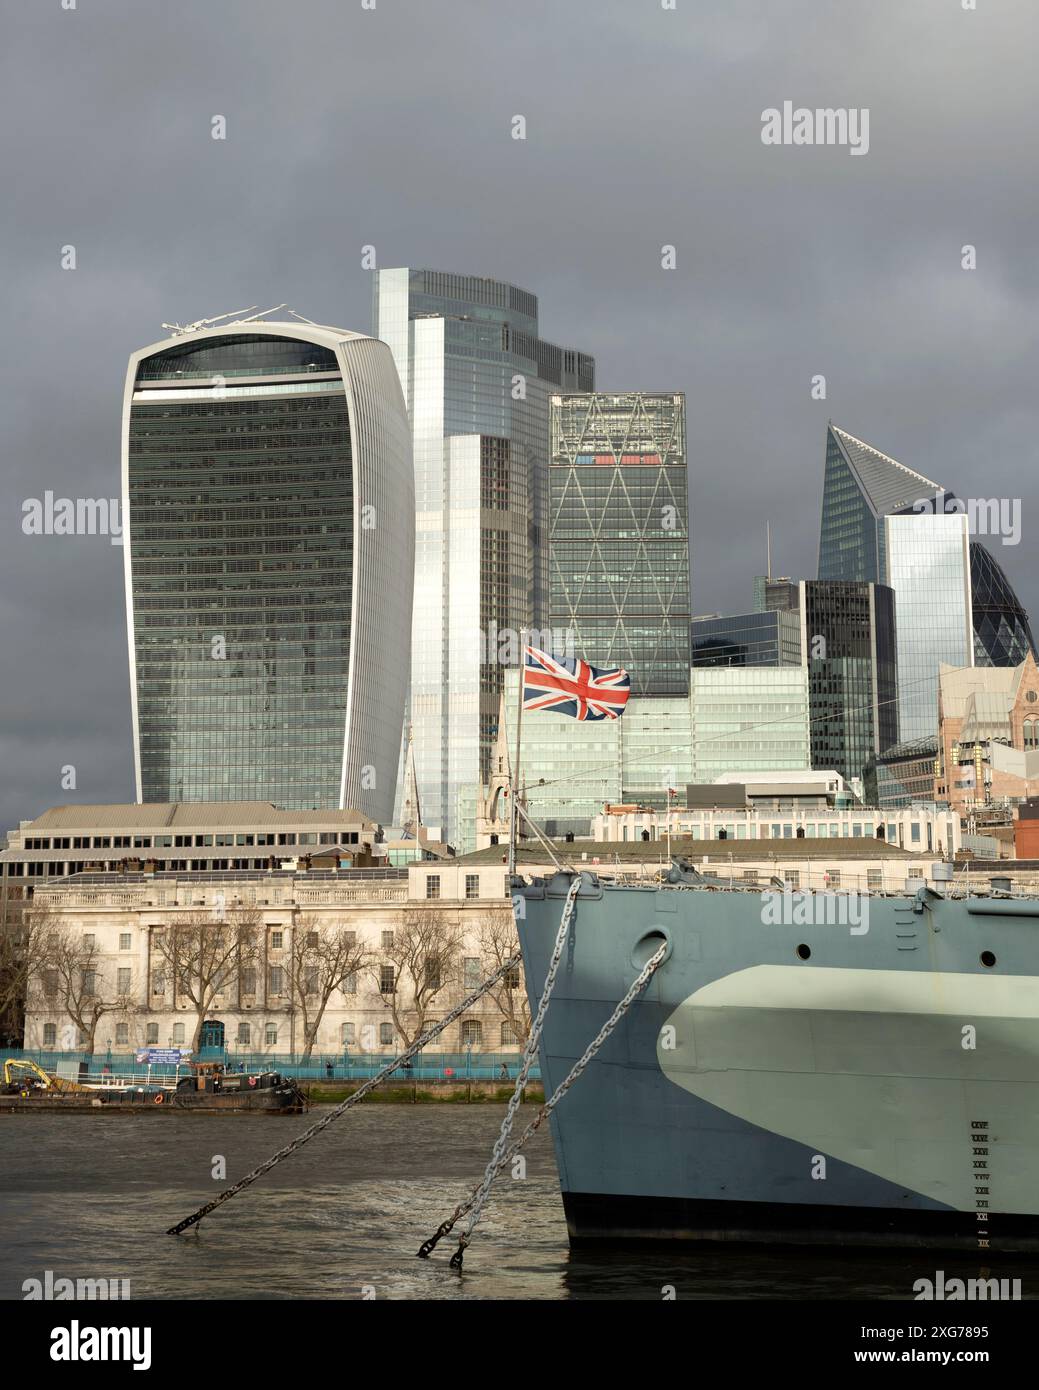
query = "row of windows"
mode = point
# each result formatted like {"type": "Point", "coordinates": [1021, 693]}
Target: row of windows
{"type": "Point", "coordinates": [345, 837]}
{"type": "Point", "coordinates": [471, 1034]}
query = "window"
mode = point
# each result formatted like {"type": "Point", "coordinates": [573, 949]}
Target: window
{"type": "Point", "coordinates": [874, 878]}
{"type": "Point", "coordinates": [245, 1034]}
{"type": "Point", "coordinates": [122, 980]}
{"type": "Point", "coordinates": [124, 940]}
{"type": "Point", "coordinates": [152, 1035]}
{"type": "Point", "coordinates": [792, 879]}
{"type": "Point", "coordinates": [249, 979]}
{"type": "Point", "coordinates": [472, 885]}
{"type": "Point", "coordinates": [432, 885]}
{"type": "Point", "coordinates": [89, 982]}
{"type": "Point", "coordinates": [385, 1034]}
{"type": "Point", "coordinates": [387, 941]}
{"type": "Point", "coordinates": [178, 1032]}
{"type": "Point", "coordinates": [310, 980]}
{"type": "Point", "coordinates": [347, 1033]}
{"type": "Point", "coordinates": [833, 878]}
{"type": "Point", "coordinates": [88, 941]}
{"type": "Point", "coordinates": [511, 979]}
{"type": "Point", "coordinates": [472, 1031]}
{"type": "Point", "coordinates": [348, 984]}
{"type": "Point", "coordinates": [270, 1035]}
{"type": "Point", "coordinates": [274, 979]}
{"type": "Point", "coordinates": [914, 834]}
{"type": "Point", "coordinates": [508, 1035]}
{"type": "Point", "coordinates": [276, 939]}
{"type": "Point", "coordinates": [50, 1034]}
{"type": "Point", "coordinates": [122, 1033]}
{"type": "Point", "coordinates": [471, 969]}
{"type": "Point", "coordinates": [312, 939]}
{"type": "Point", "coordinates": [386, 979]}
{"type": "Point", "coordinates": [50, 983]}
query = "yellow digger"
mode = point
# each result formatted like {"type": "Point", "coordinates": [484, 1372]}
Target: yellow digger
{"type": "Point", "coordinates": [22, 1077]}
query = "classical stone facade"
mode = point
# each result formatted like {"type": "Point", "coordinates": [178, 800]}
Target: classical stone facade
{"type": "Point", "coordinates": [451, 920]}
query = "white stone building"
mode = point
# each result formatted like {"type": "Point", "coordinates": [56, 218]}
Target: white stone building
{"type": "Point", "coordinates": [258, 1009]}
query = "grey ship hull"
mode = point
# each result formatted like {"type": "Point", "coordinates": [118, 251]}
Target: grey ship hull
{"type": "Point", "coordinates": [880, 1090]}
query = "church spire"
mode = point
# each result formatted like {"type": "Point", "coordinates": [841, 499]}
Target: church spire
{"type": "Point", "coordinates": [411, 814]}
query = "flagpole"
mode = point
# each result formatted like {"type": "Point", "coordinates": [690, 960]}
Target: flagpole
{"type": "Point", "coordinates": [514, 819]}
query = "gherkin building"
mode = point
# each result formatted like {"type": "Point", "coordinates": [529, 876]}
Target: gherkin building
{"type": "Point", "coordinates": [1002, 636]}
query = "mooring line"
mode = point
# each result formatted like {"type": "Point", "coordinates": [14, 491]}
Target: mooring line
{"type": "Point", "coordinates": [636, 988]}
{"type": "Point", "coordinates": [345, 1105]}
{"type": "Point", "coordinates": [529, 1053]}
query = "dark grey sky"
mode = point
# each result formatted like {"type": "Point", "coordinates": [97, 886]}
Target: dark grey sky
{"type": "Point", "coordinates": [391, 127]}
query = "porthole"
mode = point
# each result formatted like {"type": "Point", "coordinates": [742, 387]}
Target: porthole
{"type": "Point", "coordinates": [804, 952]}
{"type": "Point", "coordinates": [647, 946]}
{"type": "Point", "coordinates": [987, 958]}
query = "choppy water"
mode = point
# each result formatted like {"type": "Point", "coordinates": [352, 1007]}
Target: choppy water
{"type": "Point", "coordinates": [91, 1197]}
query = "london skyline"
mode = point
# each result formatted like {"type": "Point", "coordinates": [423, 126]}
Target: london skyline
{"type": "Point", "coordinates": [788, 262]}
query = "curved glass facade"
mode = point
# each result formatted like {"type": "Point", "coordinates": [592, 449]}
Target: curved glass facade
{"type": "Point", "coordinates": [1002, 636]}
{"type": "Point", "coordinates": [242, 530]}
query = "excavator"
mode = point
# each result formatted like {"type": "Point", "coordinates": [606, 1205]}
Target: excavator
{"type": "Point", "coordinates": [22, 1077]}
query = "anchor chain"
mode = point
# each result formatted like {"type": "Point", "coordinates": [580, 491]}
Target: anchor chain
{"type": "Point", "coordinates": [530, 1052]}
{"type": "Point", "coordinates": [345, 1105]}
{"type": "Point", "coordinates": [636, 988]}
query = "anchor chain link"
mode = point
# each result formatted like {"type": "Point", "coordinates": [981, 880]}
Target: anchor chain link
{"type": "Point", "coordinates": [345, 1105]}
{"type": "Point", "coordinates": [635, 989]}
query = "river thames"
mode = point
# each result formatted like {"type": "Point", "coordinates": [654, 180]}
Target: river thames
{"type": "Point", "coordinates": [91, 1197]}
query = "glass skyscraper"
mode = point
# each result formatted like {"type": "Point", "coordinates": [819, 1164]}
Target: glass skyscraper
{"type": "Point", "coordinates": [477, 380]}
{"type": "Point", "coordinates": [748, 719]}
{"type": "Point", "coordinates": [763, 638]}
{"type": "Point", "coordinates": [874, 529]}
{"type": "Point", "coordinates": [620, 533]}
{"type": "Point", "coordinates": [849, 638]}
{"type": "Point", "coordinates": [1002, 635]}
{"type": "Point", "coordinates": [268, 525]}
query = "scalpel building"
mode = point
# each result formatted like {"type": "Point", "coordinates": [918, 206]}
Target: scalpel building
{"type": "Point", "coordinates": [884, 523]}
{"type": "Point", "coordinates": [268, 523]}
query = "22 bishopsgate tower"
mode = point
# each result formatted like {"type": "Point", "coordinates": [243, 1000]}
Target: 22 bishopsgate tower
{"type": "Point", "coordinates": [268, 535]}
{"type": "Point", "coordinates": [477, 379]}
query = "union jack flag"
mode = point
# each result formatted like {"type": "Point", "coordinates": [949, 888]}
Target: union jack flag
{"type": "Point", "coordinates": [573, 687]}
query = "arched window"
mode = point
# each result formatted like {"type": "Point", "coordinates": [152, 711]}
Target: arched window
{"type": "Point", "coordinates": [1032, 733]}
{"type": "Point", "coordinates": [472, 1032]}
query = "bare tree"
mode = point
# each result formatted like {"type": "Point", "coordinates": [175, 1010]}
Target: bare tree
{"type": "Point", "coordinates": [319, 962]}
{"type": "Point", "coordinates": [203, 952]}
{"type": "Point", "coordinates": [71, 977]}
{"type": "Point", "coordinates": [420, 964]}
{"type": "Point", "coordinates": [23, 930]}
{"type": "Point", "coordinates": [499, 944]}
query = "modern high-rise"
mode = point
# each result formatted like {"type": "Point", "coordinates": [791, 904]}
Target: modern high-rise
{"type": "Point", "coordinates": [848, 637]}
{"type": "Point", "coordinates": [477, 380]}
{"type": "Point", "coordinates": [748, 718]}
{"type": "Point", "coordinates": [764, 638]}
{"type": "Point", "coordinates": [876, 529]}
{"type": "Point", "coordinates": [1002, 635]}
{"type": "Point", "coordinates": [268, 524]}
{"type": "Point", "coordinates": [620, 533]}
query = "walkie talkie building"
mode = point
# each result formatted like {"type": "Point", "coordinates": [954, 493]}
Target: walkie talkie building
{"type": "Point", "coordinates": [268, 526]}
